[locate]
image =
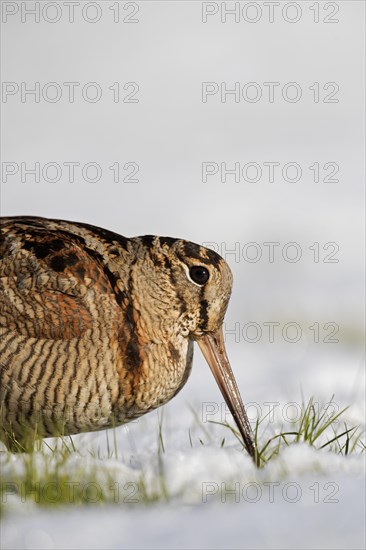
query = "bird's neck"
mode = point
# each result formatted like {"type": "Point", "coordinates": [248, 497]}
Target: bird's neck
{"type": "Point", "coordinates": [162, 371]}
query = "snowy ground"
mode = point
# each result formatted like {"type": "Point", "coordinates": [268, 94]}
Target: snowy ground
{"type": "Point", "coordinates": [300, 525]}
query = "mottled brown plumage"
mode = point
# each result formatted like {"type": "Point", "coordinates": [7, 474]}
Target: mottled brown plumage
{"type": "Point", "coordinates": [98, 329]}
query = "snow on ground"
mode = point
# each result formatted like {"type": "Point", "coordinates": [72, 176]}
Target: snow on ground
{"type": "Point", "coordinates": [309, 511]}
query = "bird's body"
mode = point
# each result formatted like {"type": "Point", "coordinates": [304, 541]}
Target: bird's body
{"type": "Point", "coordinates": [97, 329]}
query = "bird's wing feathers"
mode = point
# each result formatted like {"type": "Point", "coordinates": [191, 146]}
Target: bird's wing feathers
{"type": "Point", "coordinates": [51, 284]}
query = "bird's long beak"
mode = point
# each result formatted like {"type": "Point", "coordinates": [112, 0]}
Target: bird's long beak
{"type": "Point", "coordinates": [213, 348]}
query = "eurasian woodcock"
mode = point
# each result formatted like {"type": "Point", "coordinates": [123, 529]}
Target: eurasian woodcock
{"type": "Point", "coordinates": [98, 329]}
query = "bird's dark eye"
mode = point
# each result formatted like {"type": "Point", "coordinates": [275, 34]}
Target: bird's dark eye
{"type": "Point", "coordinates": [199, 274]}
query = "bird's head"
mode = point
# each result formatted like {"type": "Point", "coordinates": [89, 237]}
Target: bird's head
{"type": "Point", "coordinates": [190, 286]}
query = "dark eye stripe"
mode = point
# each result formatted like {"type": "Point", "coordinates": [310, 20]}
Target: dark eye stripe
{"type": "Point", "coordinates": [203, 312]}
